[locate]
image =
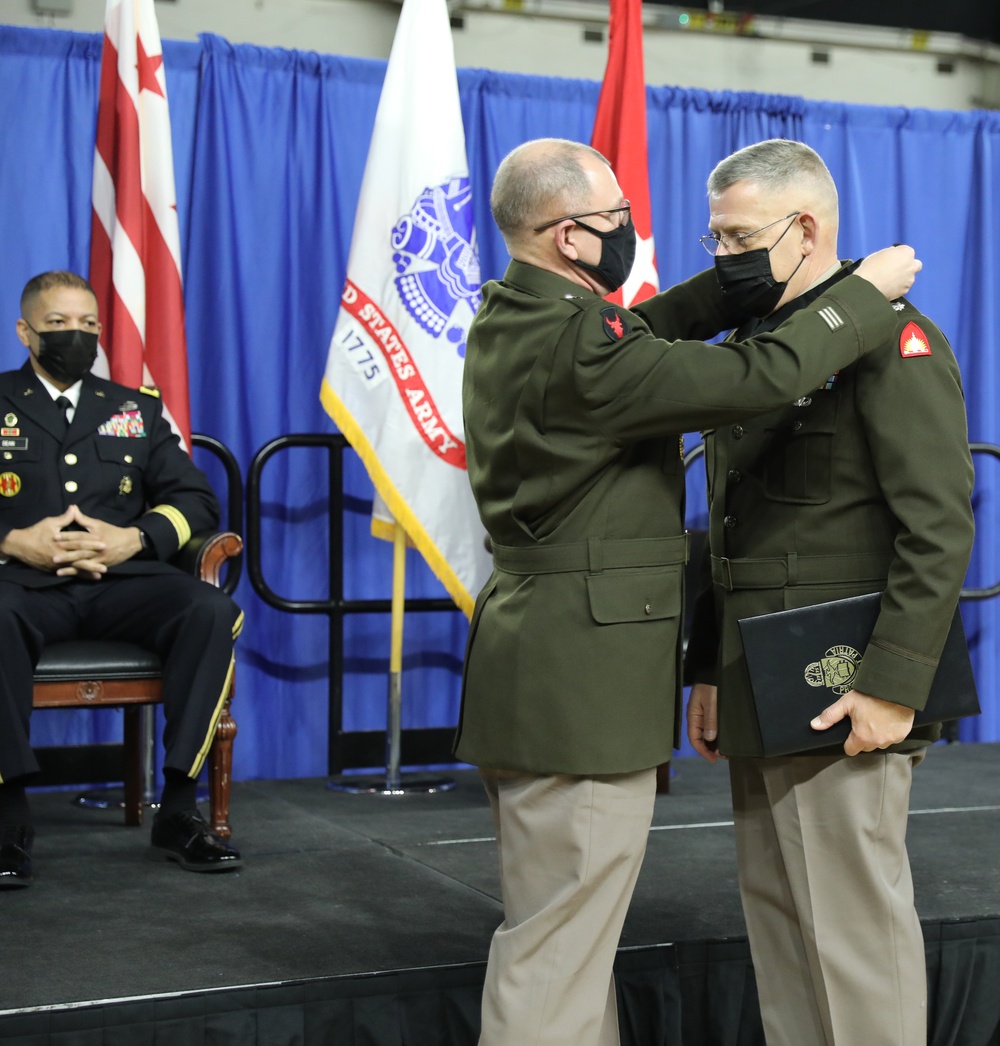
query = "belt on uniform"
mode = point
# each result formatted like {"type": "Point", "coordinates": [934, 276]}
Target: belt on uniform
{"type": "Point", "coordinates": [594, 555]}
{"type": "Point", "coordinates": [794, 569]}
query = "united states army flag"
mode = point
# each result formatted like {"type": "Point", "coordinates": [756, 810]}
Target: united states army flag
{"type": "Point", "coordinates": [393, 376]}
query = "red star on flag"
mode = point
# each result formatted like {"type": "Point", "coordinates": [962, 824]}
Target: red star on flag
{"type": "Point", "coordinates": [148, 68]}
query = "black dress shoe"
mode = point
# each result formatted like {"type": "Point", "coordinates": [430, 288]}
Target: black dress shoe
{"type": "Point", "coordinates": [185, 837]}
{"type": "Point", "coordinates": [15, 856]}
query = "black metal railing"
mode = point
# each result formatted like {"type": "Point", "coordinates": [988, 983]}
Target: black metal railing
{"type": "Point", "coordinates": [991, 590]}
{"type": "Point", "coordinates": [358, 749]}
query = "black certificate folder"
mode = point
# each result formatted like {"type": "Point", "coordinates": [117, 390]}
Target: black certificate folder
{"type": "Point", "coordinates": [801, 661]}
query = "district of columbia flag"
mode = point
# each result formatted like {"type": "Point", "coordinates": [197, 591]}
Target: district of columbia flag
{"type": "Point", "coordinates": [135, 256]}
{"type": "Point", "coordinates": [620, 134]}
{"type": "Point", "coordinates": [393, 380]}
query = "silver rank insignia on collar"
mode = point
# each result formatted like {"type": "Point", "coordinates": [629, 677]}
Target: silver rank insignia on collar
{"type": "Point", "coordinates": [899, 305]}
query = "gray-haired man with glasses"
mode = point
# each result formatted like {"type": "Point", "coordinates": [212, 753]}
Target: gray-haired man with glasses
{"type": "Point", "coordinates": [862, 484]}
{"type": "Point", "coordinates": [573, 409]}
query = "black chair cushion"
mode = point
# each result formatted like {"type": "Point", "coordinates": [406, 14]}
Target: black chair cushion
{"type": "Point", "coordinates": [81, 659]}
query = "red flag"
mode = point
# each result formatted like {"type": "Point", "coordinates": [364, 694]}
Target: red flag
{"type": "Point", "coordinates": [620, 134]}
{"type": "Point", "coordinates": [135, 265]}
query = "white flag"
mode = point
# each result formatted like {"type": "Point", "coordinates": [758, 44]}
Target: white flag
{"type": "Point", "coordinates": [393, 381]}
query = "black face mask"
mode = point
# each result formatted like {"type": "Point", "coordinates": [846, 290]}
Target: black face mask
{"type": "Point", "coordinates": [66, 355]}
{"type": "Point", "coordinates": [617, 254]}
{"type": "Point", "coordinates": [747, 282]}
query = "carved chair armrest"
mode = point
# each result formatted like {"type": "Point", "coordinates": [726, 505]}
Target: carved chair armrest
{"type": "Point", "coordinates": [206, 554]}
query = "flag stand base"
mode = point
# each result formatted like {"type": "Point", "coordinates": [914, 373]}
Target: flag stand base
{"type": "Point", "coordinates": [114, 799]}
{"type": "Point", "coordinates": [380, 784]}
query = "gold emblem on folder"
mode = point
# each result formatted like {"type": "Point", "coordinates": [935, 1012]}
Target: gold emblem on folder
{"type": "Point", "coordinates": [835, 670]}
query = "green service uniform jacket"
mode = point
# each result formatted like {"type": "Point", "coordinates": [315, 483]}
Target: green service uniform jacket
{"type": "Point", "coordinates": [863, 485]}
{"type": "Point", "coordinates": [573, 411]}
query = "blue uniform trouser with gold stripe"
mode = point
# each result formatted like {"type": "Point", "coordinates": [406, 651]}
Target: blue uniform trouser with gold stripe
{"type": "Point", "coordinates": [189, 623]}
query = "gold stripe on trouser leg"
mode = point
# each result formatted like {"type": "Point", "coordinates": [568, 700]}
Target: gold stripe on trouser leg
{"type": "Point", "coordinates": [199, 761]}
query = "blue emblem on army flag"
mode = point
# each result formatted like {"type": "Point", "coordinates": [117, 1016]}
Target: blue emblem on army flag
{"type": "Point", "coordinates": [434, 252]}
{"type": "Point", "coordinates": [614, 325]}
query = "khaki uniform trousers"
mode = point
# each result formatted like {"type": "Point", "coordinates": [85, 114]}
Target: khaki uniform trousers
{"type": "Point", "coordinates": [825, 881]}
{"type": "Point", "coordinates": [570, 851]}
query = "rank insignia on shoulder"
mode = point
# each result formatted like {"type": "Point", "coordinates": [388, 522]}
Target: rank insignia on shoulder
{"type": "Point", "coordinates": [614, 326]}
{"type": "Point", "coordinates": [913, 342]}
{"type": "Point", "coordinates": [899, 305]}
{"type": "Point", "coordinates": [150, 390]}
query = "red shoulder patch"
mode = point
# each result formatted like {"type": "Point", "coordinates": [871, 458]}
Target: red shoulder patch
{"type": "Point", "coordinates": [614, 323]}
{"type": "Point", "coordinates": [913, 342]}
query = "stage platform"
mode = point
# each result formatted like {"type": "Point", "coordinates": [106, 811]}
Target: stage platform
{"type": "Point", "coordinates": [366, 919]}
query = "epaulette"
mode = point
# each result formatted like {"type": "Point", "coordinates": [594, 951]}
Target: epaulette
{"type": "Point", "coordinates": [150, 390]}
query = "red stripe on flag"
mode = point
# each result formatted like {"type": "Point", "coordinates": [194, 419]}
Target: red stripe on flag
{"type": "Point", "coordinates": [100, 279]}
{"type": "Point", "coordinates": [166, 348]}
{"type": "Point", "coordinates": [413, 390]}
{"type": "Point", "coordinates": [128, 340]}
{"type": "Point", "coordinates": [121, 129]}
{"type": "Point", "coordinates": [123, 157]}
{"type": "Point", "coordinates": [105, 113]}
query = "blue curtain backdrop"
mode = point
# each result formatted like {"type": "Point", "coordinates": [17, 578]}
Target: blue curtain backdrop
{"type": "Point", "coordinates": [269, 150]}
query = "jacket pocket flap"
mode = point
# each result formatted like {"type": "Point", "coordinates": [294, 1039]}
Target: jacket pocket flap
{"type": "Point", "coordinates": [635, 595]}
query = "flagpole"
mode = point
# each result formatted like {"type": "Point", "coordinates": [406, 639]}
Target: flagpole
{"type": "Point", "coordinates": [393, 732]}
{"type": "Point", "coordinates": [394, 783]}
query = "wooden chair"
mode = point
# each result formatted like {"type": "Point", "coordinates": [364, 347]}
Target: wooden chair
{"type": "Point", "coordinates": [97, 673]}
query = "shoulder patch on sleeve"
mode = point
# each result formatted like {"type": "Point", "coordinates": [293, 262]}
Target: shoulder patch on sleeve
{"type": "Point", "coordinates": [614, 324]}
{"type": "Point", "coordinates": [913, 342]}
{"type": "Point", "coordinates": [150, 390]}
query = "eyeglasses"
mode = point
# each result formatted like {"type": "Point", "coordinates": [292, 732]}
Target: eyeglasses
{"type": "Point", "coordinates": [625, 210]}
{"type": "Point", "coordinates": [738, 241]}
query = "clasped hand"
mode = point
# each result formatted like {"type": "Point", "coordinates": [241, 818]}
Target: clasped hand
{"type": "Point", "coordinates": [86, 552]}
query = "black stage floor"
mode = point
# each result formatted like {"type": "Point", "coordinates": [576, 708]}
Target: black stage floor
{"type": "Point", "coordinates": [366, 919]}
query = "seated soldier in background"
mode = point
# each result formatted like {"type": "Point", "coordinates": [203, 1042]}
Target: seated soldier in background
{"type": "Point", "coordinates": [96, 495]}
